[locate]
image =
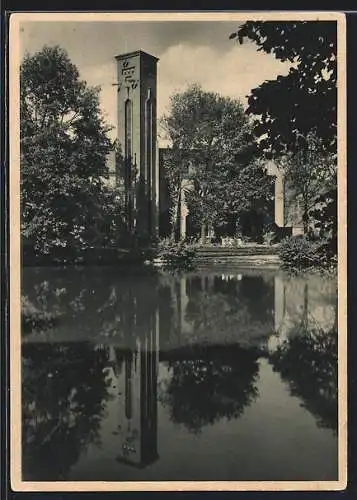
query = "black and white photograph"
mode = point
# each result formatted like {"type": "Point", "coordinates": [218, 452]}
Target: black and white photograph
{"type": "Point", "coordinates": [178, 251]}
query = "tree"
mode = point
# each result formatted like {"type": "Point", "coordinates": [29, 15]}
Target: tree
{"type": "Point", "coordinates": [175, 164]}
{"type": "Point", "coordinates": [306, 99]}
{"type": "Point", "coordinates": [64, 146]}
{"type": "Point", "coordinates": [213, 135]}
{"type": "Point", "coordinates": [248, 192]}
{"type": "Point", "coordinates": [312, 172]}
{"type": "Point", "coordinates": [325, 219]}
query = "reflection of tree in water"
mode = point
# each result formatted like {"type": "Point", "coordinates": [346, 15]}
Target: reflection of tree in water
{"type": "Point", "coordinates": [208, 384]}
{"type": "Point", "coordinates": [99, 303]}
{"type": "Point", "coordinates": [64, 390]}
{"type": "Point", "coordinates": [308, 362]}
{"type": "Point", "coordinates": [215, 311]}
{"type": "Point", "coordinates": [95, 302]}
{"type": "Point", "coordinates": [258, 295]}
{"type": "Point", "coordinates": [237, 308]}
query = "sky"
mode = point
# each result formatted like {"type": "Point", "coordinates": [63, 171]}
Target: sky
{"type": "Point", "coordinates": [188, 51]}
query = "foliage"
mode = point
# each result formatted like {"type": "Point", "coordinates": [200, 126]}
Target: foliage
{"type": "Point", "coordinates": [175, 163]}
{"type": "Point", "coordinates": [64, 145]}
{"type": "Point", "coordinates": [298, 252]}
{"type": "Point", "coordinates": [269, 237]}
{"type": "Point", "coordinates": [306, 99]}
{"type": "Point", "coordinates": [324, 215]}
{"type": "Point", "coordinates": [213, 149]}
{"type": "Point", "coordinates": [249, 188]}
{"type": "Point", "coordinates": [311, 172]}
{"type": "Point", "coordinates": [176, 255]}
{"type": "Point", "coordinates": [33, 319]}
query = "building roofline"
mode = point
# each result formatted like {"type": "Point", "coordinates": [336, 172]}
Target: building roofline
{"type": "Point", "coordinates": [135, 53]}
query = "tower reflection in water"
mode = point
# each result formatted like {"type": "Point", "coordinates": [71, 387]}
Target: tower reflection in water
{"type": "Point", "coordinates": [137, 410]}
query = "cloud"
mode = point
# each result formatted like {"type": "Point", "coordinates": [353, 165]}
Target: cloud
{"type": "Point", "coordinates": [233, 73]}
{"type": "Point", "coordinates": [189, 52]}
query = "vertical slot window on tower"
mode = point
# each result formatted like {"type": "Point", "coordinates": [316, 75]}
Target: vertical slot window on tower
{"type": "Point", "coordinates": [148, 133]}
{"type": "Point", "coordinates": [128, 126]}
{"type": "Point", "coordinates": [148, 114]}
{"type": "Point", "coordinates": [128, 129]}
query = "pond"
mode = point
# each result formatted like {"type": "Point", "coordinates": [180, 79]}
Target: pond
{"type": "Point", "coordinates": [212, 374]}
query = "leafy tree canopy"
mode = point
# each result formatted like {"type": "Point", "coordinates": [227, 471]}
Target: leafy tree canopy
{"type": "Point", "coordinates": [212, 135]}
{"type": "Point", "coordinates": [312, 172]}
{"type": "Point", "coordinates": [306, 99]}
{"type": "Point", "coordinates": [64, 146]}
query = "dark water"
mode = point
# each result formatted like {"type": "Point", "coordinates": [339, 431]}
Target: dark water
{"type": "Point", "coordinates": [212, 375]}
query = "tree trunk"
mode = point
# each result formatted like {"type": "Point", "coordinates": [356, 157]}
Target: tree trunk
{"type": "Point", "coordinates": [210, 231]}
{"type": "Point", "coordinates": [203, 233]}
{"type": "Point", "coordinates": [305, 219]}
{"type": "Point", "coordinates": [176, 218]}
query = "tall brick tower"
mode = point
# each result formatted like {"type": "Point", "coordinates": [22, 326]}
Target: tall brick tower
{"type": "Point", "coordinates": [137, 129]}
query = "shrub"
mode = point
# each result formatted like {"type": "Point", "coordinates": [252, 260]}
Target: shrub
{"type": "Point", "coordinates": [298, 252]}
{"type": "Point", "coordinates": [269, 237]}
{"type": "Point", "coordinates": [35, 320]}
{"type": "Point", "coordinates": [176, 254]}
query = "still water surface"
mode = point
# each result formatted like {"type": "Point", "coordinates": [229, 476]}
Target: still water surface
{"type": "Point", "coordinates": [210, 375]}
